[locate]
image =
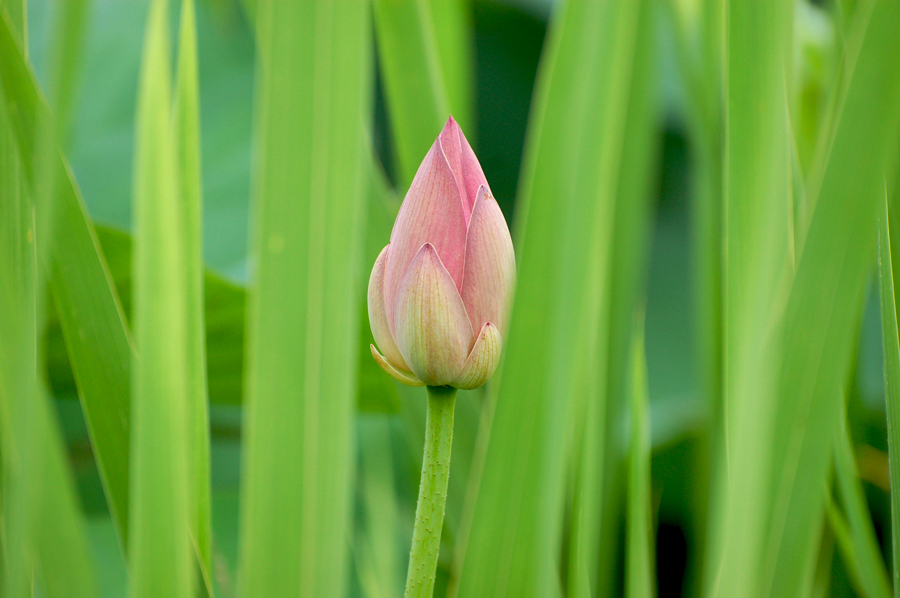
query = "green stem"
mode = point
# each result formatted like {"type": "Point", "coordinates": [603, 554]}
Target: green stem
{"type": "Point", "coordinates": [426, 541]}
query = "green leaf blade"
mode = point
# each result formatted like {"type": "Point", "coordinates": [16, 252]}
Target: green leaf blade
{"type": "Point", "coordinates": [574, 168]}
{"type": "Point", "coordinates": [414, 86]}
{"type": "Point", "coordinates": [823, 311]}
{"type": "Point", "coordinates": [302, 326]}
{"type": "Point", "coordinates": [159, 545]}
{"type": "Point", "coordinates": [187, 141]}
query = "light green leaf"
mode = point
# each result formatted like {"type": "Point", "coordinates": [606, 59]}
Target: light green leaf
{"type": "Point", "coordinates": [887, 237]}
{"type": "Point", "coordinates": [187, 145]}
{"type": "Point", "coordinates": [453, 38]}
{"type": "Point", "coordinates": [301, 356]}
{"type": "Point", "coordinates": [857, 540]}
{"type": "Point", "coordinates": [823, 311]}
{"type": "Point", "coordinates": [574, 167]}
{"type": "Point", "coordinates": [43, 532]}
{"type": "Point", "coordinates": [639, 568]}
{"type": "Point", "coordinates": [159, 541]}
{"type": "Point", "coordinates": [414, 85]}
{"type": "Point", "coordinates": [90, 315]}
{"type": "Point", "coordinates": [757, 229]}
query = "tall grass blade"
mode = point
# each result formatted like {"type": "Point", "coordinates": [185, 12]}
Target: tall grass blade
{"type": "Point", "coordinates": [159, 543]}
{"type": "Point", "coordinates": [187, 142]}
{"type": "Point", "coordinates": [18, 385]}
{"type": "Point", "coordinates": [756, 232]}
{"type": "Point", "coordinates": [860, 547]}
{"type": "Point", "coordinates": [630, 245]}
{"type": "Point", "coordinates": [90, 314]}
{"type": "Point", "coordinates": [378, 560]}
{"type": "Point", "coordinates": [825, 304]}
{"type": "Point", "coordinates": [891, 344]}
{"type": "Point", "coordinates": [44, 542]}
{"type": "Point", "coordinates": [301, 358]}
{"type": "Point", "coordinates": [67, 45]}
{"type": "Point", "coordinates": [414, 85]}
{"type": "Point", "coordinates": [639, 570]}
{"type": "Point", "coordinates": [573, 171]}
{"type": "Point", "coordinates": [453, 38]}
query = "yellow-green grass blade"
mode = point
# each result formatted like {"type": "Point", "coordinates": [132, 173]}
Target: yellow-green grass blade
{"type": "Point", "coordinates": [860, 545]}
{"type": "Point", "coordinates": [90, 315]}
{"type": "Point", "coordinates": [414, 85]}
{"type": "Point", "coordinates": [823, 311]}
{"type": "Point", "coordinates": [588, 454]}
{"type": "Point", "coordinates": [756, 231]}
{"type": "Point", "coordinates": [18, 386]}
{"type": "Point", "coordinates": [454, 40]}
{"type": "Point", "coordinates": [573, 170]}
{"type": "Point", "coordinates": [639, 569]}
{"type": "Point", "coordinates": [603, 373]}
{"type": "Point", "coordinates": [630, 248]}
{"type": "Point", "coordinates": [849, 53]}
{"type": "Point", "coordinates": [67, 43]}
{"type": "Point", "coordinates": [301, 357]}
{"type": "Point", "coordinates": [159, 543]}
{"type": "Point", "coordinates": [187, 141]}
{"type": "Point", "coordinates": [43, 532]}
{"type": "Point", "coordinates": [891, 344]}
{"type": "Point", "coordinates": [378, 560]}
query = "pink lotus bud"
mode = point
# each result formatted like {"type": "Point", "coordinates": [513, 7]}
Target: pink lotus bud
{"type": "Point", "coordinates": [440, 290]}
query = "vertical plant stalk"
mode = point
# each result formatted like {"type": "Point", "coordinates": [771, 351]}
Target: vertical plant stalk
{"type": "Point", "coordinates": [426, 541]}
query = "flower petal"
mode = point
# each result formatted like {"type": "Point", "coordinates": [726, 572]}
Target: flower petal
{"type": "Point", "coordinates": [431, 327]}
{"type": "Point", "coordinates": [399, 376]}
{"type": "Point", "coordinates": [490, 267]}
{"type": "Point", "coordinates": [432, 212]}
{"type": "Point", "coordinates": [482, 361]}
{"type": "Point", "coordinates": [378, 315]}
{"type": "Point", "coordinates": [465, 166]}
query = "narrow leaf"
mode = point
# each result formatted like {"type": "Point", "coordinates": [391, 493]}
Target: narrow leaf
{"type": "Point", "coordinates": [823, 311]}
{"type": "Point", "coordinates": [44, 540]}
{"type": "Point", "coordinates": [573, 170]}
{"type": "Point", "coordinates": [891, 343]}
{"type": "Point", "coordinates": [90, 315]}
{"type": "Point", "coordinates": [639, 565]}
{"type": "Point", "coordinates": [187, 142]}
{"type": "Point", "coordinates": [302, 327]}
{"type": "Point", "coordinates": [415, 88]}
{"type": "Point", "coordinates": [159, 545]}
{"type": "Point", "coordinates": [860, 546]}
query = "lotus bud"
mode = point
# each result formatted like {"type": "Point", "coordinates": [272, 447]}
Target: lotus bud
{"type": "Point", "coordinates": [439, 292]}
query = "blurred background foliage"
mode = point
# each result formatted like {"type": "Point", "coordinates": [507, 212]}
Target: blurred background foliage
{"type": "Point", "coordinates": [508, 40]}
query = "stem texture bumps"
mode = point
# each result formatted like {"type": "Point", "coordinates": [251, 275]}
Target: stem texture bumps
{"type": "Point", "coordinates": [426, 542]}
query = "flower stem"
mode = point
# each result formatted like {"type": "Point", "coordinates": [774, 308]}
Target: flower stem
{"type": "Point", "coordinates": [426, 541]}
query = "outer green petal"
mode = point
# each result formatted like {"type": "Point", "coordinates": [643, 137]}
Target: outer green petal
{"type": "Point", "coordinates": [483, 359]}
{"type": "Point", "coordinates": [378, 316]}
{"type": "Point", "coordinates": [431, 327]}
{"type": "Point", "coordinates": [399, 376]}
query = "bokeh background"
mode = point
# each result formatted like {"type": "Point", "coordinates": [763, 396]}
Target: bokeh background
{"type": "Point", "coordinates": [508, 39]}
